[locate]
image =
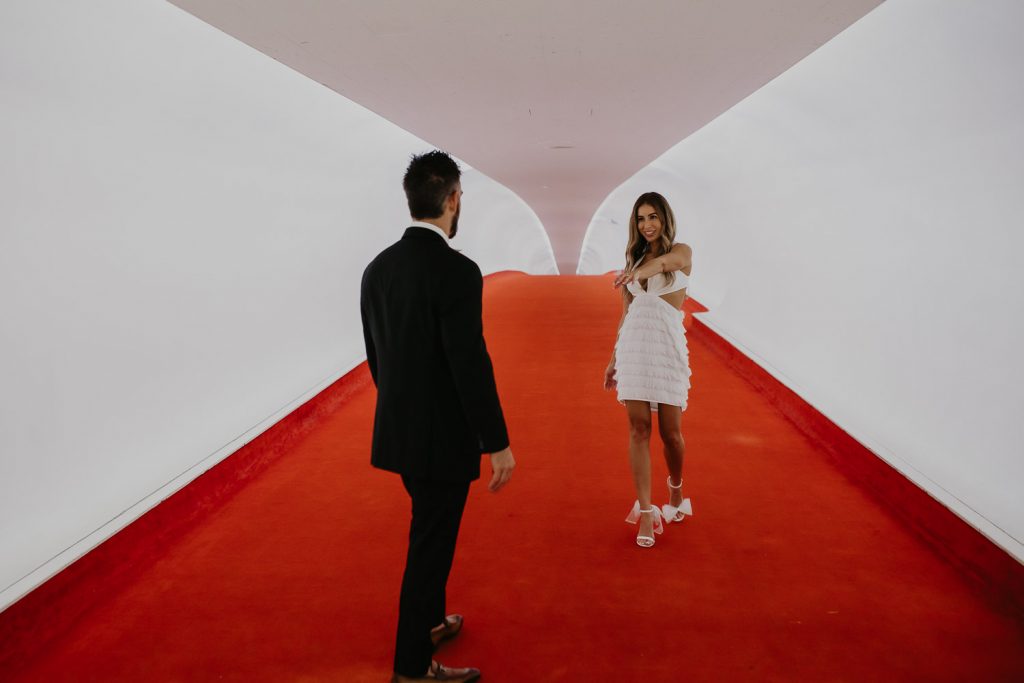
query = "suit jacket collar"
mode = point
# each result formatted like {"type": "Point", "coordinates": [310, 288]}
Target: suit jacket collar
{"type": "Point", "coordinates": [417, 228]}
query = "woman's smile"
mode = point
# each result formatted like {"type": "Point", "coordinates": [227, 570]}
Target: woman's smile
{"type": "Point", "coordinates": [648, 222]}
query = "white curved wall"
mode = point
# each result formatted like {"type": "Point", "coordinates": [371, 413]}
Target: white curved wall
{"type": "Point", "coordinates": [497, 229]}
{"type": "Point", "coordinates": [183, 226]}
{"type": "Point", "coordinates": [856, 228]}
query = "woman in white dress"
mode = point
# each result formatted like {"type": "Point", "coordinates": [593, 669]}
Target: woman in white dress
{"type": "Point", "coordinates": [650, 363]}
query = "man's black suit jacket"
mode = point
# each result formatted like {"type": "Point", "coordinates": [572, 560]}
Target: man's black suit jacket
{"type": "Point", "coordinates": [437, 402]}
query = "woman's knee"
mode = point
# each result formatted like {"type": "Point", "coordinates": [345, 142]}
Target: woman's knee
{"type": "Point", "coordinates": [673, 438]}
{"type": "Point", "coordinates": [639, 429]}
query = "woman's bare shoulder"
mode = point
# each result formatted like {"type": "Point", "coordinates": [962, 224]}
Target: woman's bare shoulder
{"type": "Point", "coordinates": [682, 255]}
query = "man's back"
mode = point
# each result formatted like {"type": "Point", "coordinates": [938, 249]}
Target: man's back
{"type": "Point", "coordinates": [437, 405]}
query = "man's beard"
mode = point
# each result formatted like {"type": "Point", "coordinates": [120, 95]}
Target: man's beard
{"type": "Point", "coordinates": [455, 223]}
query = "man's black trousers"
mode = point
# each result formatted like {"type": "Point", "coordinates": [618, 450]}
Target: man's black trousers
{"type": "Point", "coordinates": [436, 515]}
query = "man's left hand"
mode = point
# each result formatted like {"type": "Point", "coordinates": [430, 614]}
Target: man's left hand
{"type": "Point", "coordinates": [502, 463]}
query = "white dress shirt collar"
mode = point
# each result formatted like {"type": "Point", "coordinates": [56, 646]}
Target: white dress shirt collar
{"type": "Point", "coordinates": [429, 226]}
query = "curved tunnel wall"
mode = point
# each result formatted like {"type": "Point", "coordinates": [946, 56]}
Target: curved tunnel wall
{"type": "Point", "coordinates": [184, 226]}
{"type": "Point", "coordinates": [856, 229]}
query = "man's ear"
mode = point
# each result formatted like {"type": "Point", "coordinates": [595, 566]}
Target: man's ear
{"type": "Point", "coordinates": [453, 200]}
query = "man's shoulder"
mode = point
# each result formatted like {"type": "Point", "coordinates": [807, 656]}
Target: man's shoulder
{"type": "Point", "coordinates": [395, 251]}
{"type": "Point", "coordinates": [383, 263]}
{"type": "Point", "coordinates": [413, 252]}
{"type": "Point", "coordinates": [461, 263]}
{"type": "Point", "coordinates": [382, 257]}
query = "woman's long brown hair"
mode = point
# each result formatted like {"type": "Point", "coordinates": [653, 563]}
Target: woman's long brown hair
{"type": "Point", "coordinates": [638, 246]}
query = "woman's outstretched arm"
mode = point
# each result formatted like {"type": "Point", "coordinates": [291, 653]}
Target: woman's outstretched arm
{"type": "Point", "coordinates": [679, 258]}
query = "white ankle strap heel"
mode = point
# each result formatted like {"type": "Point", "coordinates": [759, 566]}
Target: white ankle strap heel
{"type": "Point", "coordinates": [634, 517]}
{"type": "Point", "coordinates": [676, 513]}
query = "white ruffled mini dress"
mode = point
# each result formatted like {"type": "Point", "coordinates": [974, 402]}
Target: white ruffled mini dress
{"type": "Point", "coordinates": [652, 362]}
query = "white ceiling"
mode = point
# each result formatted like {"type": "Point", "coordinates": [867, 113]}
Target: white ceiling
{"type": "Point", "coordinates": [561, 101]}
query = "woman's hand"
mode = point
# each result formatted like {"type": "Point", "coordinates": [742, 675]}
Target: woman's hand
{"type": "Point", "coordinates": [641, 273]}
{"type": "Point", "coordinates": [623, 278]}
{"type": "Point", "coordinates": [609, 376]}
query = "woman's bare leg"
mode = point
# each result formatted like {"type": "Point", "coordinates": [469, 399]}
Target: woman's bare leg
{"type": "Point", "coordinates": [670, 429]}
{"type": "Point", "coordinates": [639, 413]}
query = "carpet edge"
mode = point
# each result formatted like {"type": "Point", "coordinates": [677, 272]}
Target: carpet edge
{"type": "Point", "coordinates": [50, 610]}
{"type": "Point", "coordinates": [991, 569]}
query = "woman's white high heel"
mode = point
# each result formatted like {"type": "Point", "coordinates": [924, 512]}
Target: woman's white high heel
{"type": "Point", "coordinates": [634, 517]}
{"type": "Point", "coordinates": [676, 513]}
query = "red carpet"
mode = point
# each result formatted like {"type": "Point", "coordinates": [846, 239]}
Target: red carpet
{"type": "Point", "coordinates": [787, 572]}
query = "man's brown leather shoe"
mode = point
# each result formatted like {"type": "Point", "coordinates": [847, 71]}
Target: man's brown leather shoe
{"type": "Point", "coordinates": [449, 629]}
{"type": "Point", "coordinates": [439, 672]}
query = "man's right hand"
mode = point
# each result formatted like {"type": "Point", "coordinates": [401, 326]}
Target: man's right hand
{"type": "Point", "coordinates": [502, 464]}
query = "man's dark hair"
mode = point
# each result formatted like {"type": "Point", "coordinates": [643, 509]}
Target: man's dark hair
{"type": "Point", "coordinates": [429, 181]}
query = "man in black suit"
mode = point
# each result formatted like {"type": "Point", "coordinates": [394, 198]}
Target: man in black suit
{"type": "Point", "coordinates": [437, 402]}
